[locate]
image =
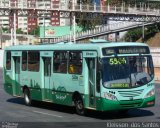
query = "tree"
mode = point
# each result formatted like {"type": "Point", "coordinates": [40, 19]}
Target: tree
{"type": "Point", "coordinates": [35, 31]}
{"type": "Point", "coordinates": [135, 34]}
{"type": "Point", "coordinates": [5, 30]}
{"type": "Point", "coordinates": [19, 31]}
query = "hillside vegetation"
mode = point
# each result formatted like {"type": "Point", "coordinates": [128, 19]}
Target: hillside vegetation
{"type": "Point", "coordinates": [154, 41]}
{"type": "Point", "coordinates": [151, 35]}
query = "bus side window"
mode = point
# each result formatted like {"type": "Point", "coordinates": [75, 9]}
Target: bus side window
{"type": "Point", "coordinates": [60, 62]}
{"type": "Point", "coordinates": [24, 61]}
{"type": "Point", "coordinates": [33, 61]}
{"type": "Point", "coordinates": [8, 60]}
{"type": "Point", "coordinates": [98, 81]}
{"type": "Point", "coordinates": [99, 76]}
{"type": "Point", "coordinates": [75, 63]}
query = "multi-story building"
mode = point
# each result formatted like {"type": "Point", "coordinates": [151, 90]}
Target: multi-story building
{"type": "Point", "coordinates": [27, 24]}
{"type": "Point", "coordinates": [11, 16]}
{"type": "Point", "coordinates": [31, 21]}
{"type": "Point", "coordinates": [52, 18]}
{"type": "Point", "coordinates": [4, 21]}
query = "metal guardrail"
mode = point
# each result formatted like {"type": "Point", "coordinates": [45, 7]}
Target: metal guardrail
{"type": "Point", "coordinates": [74, 7]}
{"type": "Point", "coordinates": [102, 30]}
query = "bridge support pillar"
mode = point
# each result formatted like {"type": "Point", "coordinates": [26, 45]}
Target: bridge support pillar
{"type": "Point", "coordinates": [107, 37]}
{"type": "Point", "coordinates": [117, 36]}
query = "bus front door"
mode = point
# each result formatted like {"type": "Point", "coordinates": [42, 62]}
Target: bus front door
{"type": "Point", "coordinates": [47, 76]}
{"type": "Point", "coordinates": [17, 76]}
{"type": "Point", "coordinates": [91, 64]}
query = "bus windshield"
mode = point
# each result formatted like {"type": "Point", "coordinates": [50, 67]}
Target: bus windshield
{"type": "Point", "coordinates": [127, 72]}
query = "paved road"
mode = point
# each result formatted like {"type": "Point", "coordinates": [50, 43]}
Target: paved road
{"type": "Point", "coordinates": [14, 110]}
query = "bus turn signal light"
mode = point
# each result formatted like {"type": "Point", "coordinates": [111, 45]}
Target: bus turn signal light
{"type": "Point", "coordinates": [150, 103]}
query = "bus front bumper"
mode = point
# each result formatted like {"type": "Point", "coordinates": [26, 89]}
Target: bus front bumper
{"type": "Point", "coordinates": [118, 105]}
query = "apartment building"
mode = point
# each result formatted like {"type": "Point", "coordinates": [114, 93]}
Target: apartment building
{"type": "Point", "coordinates": [4, 21]}
{"type": "Point", "coordinates": [27, 24]}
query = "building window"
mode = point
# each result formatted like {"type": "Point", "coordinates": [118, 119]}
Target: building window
{"type": "Point", "coordinates": [8, 60]}
{"type": "Point", "coordinates": [75, 63]}
{"type": "Point", "coordinates": [60, 62]}
{"type": "Point", "coordinates": [24, 61]}
{"type": "Point", "coordinates": [33, 61]}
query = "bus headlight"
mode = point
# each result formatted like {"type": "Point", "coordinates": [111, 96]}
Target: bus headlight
{"type": "Point", "coordinates": [150, 93]}
{"type": "Point", "coordinates": [109, 96]}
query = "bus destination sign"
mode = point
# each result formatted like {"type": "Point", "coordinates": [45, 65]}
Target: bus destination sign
{"type": "Point", "coordinates": [131, 50]}
{"type": "Point", "coordinates": [126, 50]}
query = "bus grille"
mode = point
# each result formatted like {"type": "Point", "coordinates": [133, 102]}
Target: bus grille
{"type": "Point", "coordinates": [132, 93]}
{"type": "Point", "coordinates": [131, 104]}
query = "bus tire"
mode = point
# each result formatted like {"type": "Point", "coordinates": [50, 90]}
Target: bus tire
{"type": "Point", "coordinates": [27, 98]}
{"type": "Point", "coordinates": [79, 106]}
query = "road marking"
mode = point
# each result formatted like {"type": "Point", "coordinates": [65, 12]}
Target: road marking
{"type": "Point", "coordinates": [47, 114]}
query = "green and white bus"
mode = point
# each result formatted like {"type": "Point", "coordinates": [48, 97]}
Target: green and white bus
{"type": "Point", "coordinates": [100, 75]}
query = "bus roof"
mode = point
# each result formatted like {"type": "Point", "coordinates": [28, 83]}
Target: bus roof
{"type": "Point", "coordinates": [71, 46]}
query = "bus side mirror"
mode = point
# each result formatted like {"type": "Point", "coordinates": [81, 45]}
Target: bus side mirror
{"type": "Point", "coordinates": [98, 81]}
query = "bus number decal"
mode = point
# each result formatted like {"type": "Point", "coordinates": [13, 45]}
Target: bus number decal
{"type": "Point", "coordinates": [116, 61]}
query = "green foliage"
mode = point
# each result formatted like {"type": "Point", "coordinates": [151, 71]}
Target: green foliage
{"type": "Point", "coordinates": [5, 30]}
{"type": "Point", "coordinates": [19, 31]}
{"type": "Point", "coordinates": [135, 34]}
{"type": "Point", "coordinates": [35, 31]}
{"type": "Point", "coordinates": [152, 3]}
{"type": "Point", "coordinates": [88, 23]}
{"type": "Point", "coordinates": [119, 2]}
{"type": "Point", "coordinates": [84, 1]}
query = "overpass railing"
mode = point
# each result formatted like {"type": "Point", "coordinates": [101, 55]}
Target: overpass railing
{"type": "Point", "coordinates": [74, 7]}
{"type": "Point", "coordinates": [101, 30]}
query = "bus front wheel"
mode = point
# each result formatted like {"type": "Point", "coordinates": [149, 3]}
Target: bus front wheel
{"type": "Point", "coordinates": [27, 98]}
{"type": "Point", "coordinates": [79, 106]}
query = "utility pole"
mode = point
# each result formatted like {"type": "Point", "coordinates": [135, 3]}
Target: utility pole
{"type": "Point", "coordinates": [44, 26]}
{"type": "Point", "coordinates": [143, 32]}
{"type": "Point", "coordinates": [14, 30]}
{"type": "Point", "coordinates": [74, 27]}
{"type": "Point", "coordinates": [74, 23]}
{"type": "Point", "coordinates": [1, 31]}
